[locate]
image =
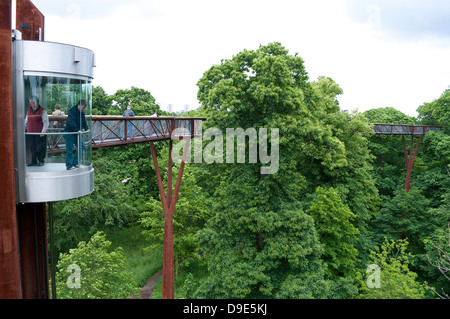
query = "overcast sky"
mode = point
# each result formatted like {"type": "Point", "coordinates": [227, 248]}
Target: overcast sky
{"type": "Point", "coordinates": [382, 53]}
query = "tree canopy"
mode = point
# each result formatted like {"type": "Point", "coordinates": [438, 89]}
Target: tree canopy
{"type": "Point", "coordinates": [307, 224]}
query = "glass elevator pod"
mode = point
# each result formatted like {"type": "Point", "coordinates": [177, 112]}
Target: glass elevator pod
{"type": "Point", "coordinates": [52, 93]}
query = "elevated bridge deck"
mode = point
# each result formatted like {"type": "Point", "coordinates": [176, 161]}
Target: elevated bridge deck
{"type": "Point", "coordinates": [107, 131]}
{"type": "Point", "coordinates": [403, 129]}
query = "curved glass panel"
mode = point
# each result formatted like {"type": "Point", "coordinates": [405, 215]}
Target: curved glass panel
{"type": "Point", "coordinates": [58, 118]}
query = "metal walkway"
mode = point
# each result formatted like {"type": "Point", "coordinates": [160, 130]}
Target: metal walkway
{"type": "Point", "coordinates": [403, 129]}
{"type": "Point", "coordinates": [109, 131]}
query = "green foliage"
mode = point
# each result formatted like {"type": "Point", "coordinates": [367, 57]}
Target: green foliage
{"type": "Point", "coordinates": [107, 206]}
{"type": "Point", "coordinates": [405, 214]}
{"type": "Point", "coordinates": [438, 255]}
{"type": "Point", "coordinates": [253, 254]}
{"type": "Point", "coordinates": [141, 262]}
{"type": "Point", "coordinates": [300, 233]}
{"type": "Point", "coordinates": [389, 159]}
{"type": "Point", "coordinates": [397, 281]}
{"type": "Point", "coordinates": [134, 165]}
{"type": "Point", "coordinates": [92, 271]}
{"type": "Point", "coordinates": [333, 222]}
{"type": "Point", "coordinates": [436, 112]}
{"type": "Point", "coordinates": [433, 168]}
{"type": "Point", "coordinates": [388, 115]}
{"type": "Point", "coordinates": [101, 102]}
{"type": "Point", "coordinates": [253, 87]}
{"type": "Point", "coordinates": [142, 102]}
{"type": "Point", "coordinates": [318, 145]}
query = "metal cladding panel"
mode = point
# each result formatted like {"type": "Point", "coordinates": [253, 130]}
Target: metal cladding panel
{"type": "Point", "coordinates": [50, 187]}
{"type": "Point", "coordinates": [50, 57]}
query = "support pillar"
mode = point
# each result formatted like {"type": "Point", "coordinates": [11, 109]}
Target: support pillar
{"type": "Point", "coordinates": [168, 204]}
{"type": "Point", "coordinates": [32, 228]}
{"type": "Point", "coordinates": [409, 159]}
{"type": "Point", "coordinates": [9, 251]}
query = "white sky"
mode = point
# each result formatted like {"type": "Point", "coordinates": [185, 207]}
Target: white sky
{"type": "Point", "coordinates": [382, 53]}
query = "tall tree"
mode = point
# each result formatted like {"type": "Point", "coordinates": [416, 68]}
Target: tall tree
{"type": "Point", "coordinates": [101, 102]}
{"type": "Point", "coordinates": [351, 173]}
{"type": "Point", "coordinates": [259, 242]}
{"type": "Point", "coordinates": [433, 176]}
{"type": "Point", "coordinates": [406, 214]}
{"type": "Point", "coordinates": [259, 230]}
{"type": "Point", "coordinates": [438, 255]}
{"type": "Point", "coordinates": [436, 112]}
{"type": "Point", "coordinates": [333, 221]}
{"type": "Point", "coordinates": [396, 280]}
{"type": "Point", "coordinates": [94, 271]}
{"type": "Point", "coordinates": [142, 102]}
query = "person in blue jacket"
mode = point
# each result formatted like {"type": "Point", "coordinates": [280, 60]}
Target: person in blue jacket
{"type": "Point", "coordinates": [76, 122]}
{"type": "Point", "coordinates": [129, 112]}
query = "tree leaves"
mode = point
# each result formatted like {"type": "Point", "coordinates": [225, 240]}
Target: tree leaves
{"type": "Point", "coordinates": [99, 273]}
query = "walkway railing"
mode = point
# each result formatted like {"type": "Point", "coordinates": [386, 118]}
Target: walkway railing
{"type": "Point", "coordinates": [403, 129]}
{"type": "Point", "coordinates": [119, 130]}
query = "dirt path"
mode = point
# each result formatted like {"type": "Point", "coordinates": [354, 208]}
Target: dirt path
{"type": "Point", "coordinates": [147, 290]}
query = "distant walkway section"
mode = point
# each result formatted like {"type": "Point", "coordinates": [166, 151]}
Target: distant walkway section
{"type": "Point", "coordinates": [403, 129]}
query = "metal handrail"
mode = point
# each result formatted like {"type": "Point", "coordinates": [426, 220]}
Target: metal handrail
{"type": "Point", "coordinates": [112, 130]}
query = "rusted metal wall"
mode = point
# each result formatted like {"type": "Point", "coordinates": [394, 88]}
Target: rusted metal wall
{"type": "Point", "coordinates": [9, 258]}
{"type": "Point", "coordinates": [23, 248]}
{"type": "Point", "coordinates": [29, 21]}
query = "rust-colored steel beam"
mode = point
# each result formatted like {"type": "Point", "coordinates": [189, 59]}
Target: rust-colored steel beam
{"type": "Point", "coordinates": [168, 204]}
{"type": "Point", "coordinates": [9, 251]}
{"type": "Point", "coordinates": [409, 159]}
{"type": "Point", "coordinates": [406, 129]}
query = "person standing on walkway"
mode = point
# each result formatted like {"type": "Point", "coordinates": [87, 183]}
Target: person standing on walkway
{"type": "Point", "coordinates": [57, 112]}
{"type": "Point", "coordinates": [129, 112]}
{"type": "Point", "coordinates": [36, 121]}
{"type": "Point", "coordinates": [76, 122]}
{"type": "Point", "coordinates": [57, 125]}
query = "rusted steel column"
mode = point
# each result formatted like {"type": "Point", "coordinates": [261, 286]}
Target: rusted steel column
{"type": "Point", "coordinates": [410, 160]}
{"type": "Point", "coordinates": [169, 209]}
{"type": "Point", "coordinates": [9, 255]}
{"type": "Point", "coordinates": [167, 288]}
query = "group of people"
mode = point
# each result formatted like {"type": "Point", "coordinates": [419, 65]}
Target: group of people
{"type": "Point", "coordinates": [36, 121]}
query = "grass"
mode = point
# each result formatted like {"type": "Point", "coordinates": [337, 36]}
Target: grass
{"type": "Point", "coordinates": [145, 264]}
{"type": "Point", "coordinates": [142, 264]}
